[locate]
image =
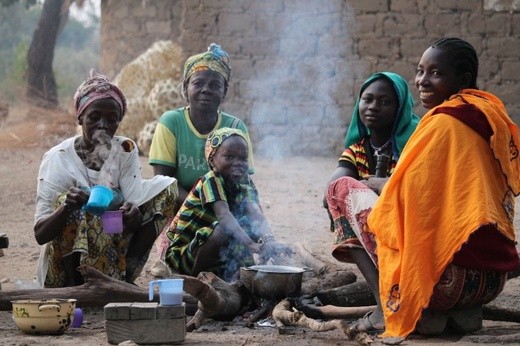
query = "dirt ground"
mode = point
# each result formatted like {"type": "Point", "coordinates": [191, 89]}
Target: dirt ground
{"type": "Point", "coordinates": [291, 191]}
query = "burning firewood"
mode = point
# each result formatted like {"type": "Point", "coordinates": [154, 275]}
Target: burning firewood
{"type": "Point", "coordinates": [318, 266]}
{"type": "Point", "coordinates": [217, 298]}
{"type": "Point", "coordinates": [263, 311]}
{"type": "Point", "coordinates": [284, 314]}
{"type": "Point", "coordinates": [352, 294]}
{"type": "Point", "coordinates": [326, 281]}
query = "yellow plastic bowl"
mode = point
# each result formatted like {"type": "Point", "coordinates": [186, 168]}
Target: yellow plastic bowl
{"type": "Point", "coordinates": [47, 316]}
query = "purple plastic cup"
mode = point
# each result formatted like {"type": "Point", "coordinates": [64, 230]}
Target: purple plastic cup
{"type": "Point", "coordinates": [77, 321]}
{"type": "Point", "coordinates": [112, 221]}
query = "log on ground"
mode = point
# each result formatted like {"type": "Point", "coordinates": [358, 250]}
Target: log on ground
{"type": "Point", "coordinates": [97, 291]}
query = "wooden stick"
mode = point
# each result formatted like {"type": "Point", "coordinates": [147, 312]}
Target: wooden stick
{"type": "Point", "coordinates": [331, 311]}
{"type": "Point", "coordinates": [499, 314]}
{"type": "Point", "coordinates": [318, 267]}
{"type": "Point", "coordinates": [283, 315]}
{"type": "Point", "coordinates": [354, 294]}
{"type": "Point", "coordinates": [260, 313]}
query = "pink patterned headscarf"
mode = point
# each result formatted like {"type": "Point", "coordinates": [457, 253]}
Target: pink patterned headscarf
{"type": "Point", "coordinates": [97, 87]}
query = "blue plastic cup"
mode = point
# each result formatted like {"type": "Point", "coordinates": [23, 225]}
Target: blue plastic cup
{"type": "Point", "coordinates": [170, 291]}
{"type": "Point", "coordinates": [99, 200]}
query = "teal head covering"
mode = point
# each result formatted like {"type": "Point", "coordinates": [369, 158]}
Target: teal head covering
{"type": "Point", "coordinates": [405, 120]}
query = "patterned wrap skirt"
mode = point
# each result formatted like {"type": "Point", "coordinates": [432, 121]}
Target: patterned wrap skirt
{"type": "Point", "coordinates": [84, 234]}
{"type": "Point", "coordinates": [350, 202]}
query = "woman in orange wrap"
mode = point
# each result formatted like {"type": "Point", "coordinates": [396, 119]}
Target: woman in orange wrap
{"type": "Point", "coordinates": [443, 224]}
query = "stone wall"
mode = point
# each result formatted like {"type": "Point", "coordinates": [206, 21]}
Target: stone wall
{"type": "Point", "coordinates": [297, 64]}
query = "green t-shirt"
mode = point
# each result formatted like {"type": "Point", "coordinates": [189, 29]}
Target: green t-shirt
{"type": "Point", "coordinates": [176, 143]}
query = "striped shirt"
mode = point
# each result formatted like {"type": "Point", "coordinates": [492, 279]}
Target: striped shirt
{"type": "Point", "coordinates": [196, 212]}
{"type": "Point", "coordinates": [359, 157]}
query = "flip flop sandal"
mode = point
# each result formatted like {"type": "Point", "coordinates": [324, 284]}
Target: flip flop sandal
{"type": "Point", "coordinates": [366, 325]}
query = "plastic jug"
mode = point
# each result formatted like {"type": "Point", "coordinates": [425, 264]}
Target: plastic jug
{"type": "Point", "coordinates": [170, 291]}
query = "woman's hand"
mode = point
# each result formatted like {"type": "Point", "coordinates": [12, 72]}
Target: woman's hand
{"type": "Point", "coordinates": [132, 217]}
{"type": "Point", "coordinates": [376, 184]}
{"type": "Point", "coordinates": [48, 228]}
{"type": "Point", "coordinates": [76, 198]}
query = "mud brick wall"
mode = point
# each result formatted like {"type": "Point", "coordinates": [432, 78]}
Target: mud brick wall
{"type": "Point", "coordinates": [297, 64]}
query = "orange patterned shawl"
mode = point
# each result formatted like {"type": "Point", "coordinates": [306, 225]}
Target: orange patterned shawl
{"type": "Point", "coordinates": [447, 183]}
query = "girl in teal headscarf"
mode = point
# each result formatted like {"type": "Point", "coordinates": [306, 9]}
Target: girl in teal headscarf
{"type": "Point", "coordinates": [381, 124]}
{"type": "Point", "coordinates": [405, 120]}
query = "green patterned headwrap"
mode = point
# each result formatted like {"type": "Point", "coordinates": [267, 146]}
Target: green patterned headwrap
{"type": "Point", "coordinates": [217, 137]}
{"type": "Point", "coordinates": [215, 59]}
{"type": "Point", "coordinates": [405, 121]}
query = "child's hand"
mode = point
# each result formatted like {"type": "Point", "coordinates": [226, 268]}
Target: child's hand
{"type": "Point", "coordinates": [275, 249]}
{"type": "Point", "coordinates": [255, 248]}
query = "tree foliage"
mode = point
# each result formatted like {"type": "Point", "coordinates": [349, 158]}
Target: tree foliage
{"type": "Point", "coordinates": [26, 3]}
{"type": "Point", "coordinates": [76, 50]}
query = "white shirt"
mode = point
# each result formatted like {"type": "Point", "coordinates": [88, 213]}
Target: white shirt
{"type": "Point", "coordinates": [62, 168]}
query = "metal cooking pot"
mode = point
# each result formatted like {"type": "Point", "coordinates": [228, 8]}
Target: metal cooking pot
{"type": "Point", "coordinates": [273, 282]}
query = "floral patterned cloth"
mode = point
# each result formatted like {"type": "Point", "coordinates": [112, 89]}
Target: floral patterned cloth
{"type": "Point", "coordinates": [105, 252]}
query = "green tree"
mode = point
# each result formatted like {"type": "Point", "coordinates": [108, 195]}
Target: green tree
{"type": "Point", "coordinates": [41, 84]}
{"type": "Point", "coordinates": [27, 3]}
{"type": "Point", "coordinates": [76, 49]}
{"type": "Point", "coordinates": [14, 45]}
{"type": "Point", "coordinates": [41, 88]}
